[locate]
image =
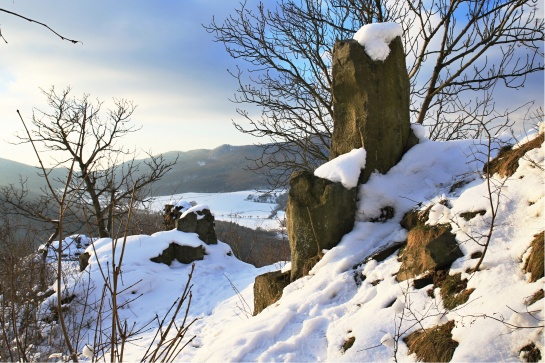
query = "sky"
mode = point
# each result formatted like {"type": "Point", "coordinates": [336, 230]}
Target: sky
{"type": "Point", "coordinates": [156, 54]}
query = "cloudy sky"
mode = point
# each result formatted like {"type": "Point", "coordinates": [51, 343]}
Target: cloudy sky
{"type": "Point", "coordinates": [155, 53]}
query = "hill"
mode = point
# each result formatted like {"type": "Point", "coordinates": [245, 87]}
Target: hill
{"type": "Point", "coordinates": [223, 169]}
{"type": "Point", "coordinates": [351, 306]}
{"type": "Point", "coordinates": [12, 172]}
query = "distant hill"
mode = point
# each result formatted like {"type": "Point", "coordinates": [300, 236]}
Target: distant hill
{"type": "Point", "coordinates": [12, 172]}
{"type": "Point", "coordinates": [223, 169]}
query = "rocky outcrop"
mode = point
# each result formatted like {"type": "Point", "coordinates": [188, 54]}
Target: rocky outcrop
{"type": "Point", "coordinates": [371, 105]}
{"type": "Point", "coordinates": [200, 221]}
{"type": "Point", "coordinates": [84, 260]}
{"type": "Point", "coordinates": [268, 289]}
{"type": "Point", "coordinates": [172, 212]}
{"type": "Point", "coordinates": [182, 254]}
{"type": "Point", "coordinates": [319, 213]}
{"type": "Point", "coordinates": [428, 248]}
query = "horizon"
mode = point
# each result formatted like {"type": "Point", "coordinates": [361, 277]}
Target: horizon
{"type": "Point", "coordinates": [159, 57]}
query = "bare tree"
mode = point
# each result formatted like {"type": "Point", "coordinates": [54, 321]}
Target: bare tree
{"type": "Point", "coordinates": [101, 187]}
{"type": "Point", "coordinates": [453, 48]}
{"type": "Point", "coordinates": [34, 21]}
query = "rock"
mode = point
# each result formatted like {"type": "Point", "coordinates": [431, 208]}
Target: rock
{"type": "Point", "coordinates": [84, 260]}
{"type": "Point", "coordinates": [414, 218]}
{"type": "Point", "coordinates": [268, 289]}
{"type": "Point", "coordinates": [319, 213]}
{"type": "Point", "coordinates": [199, 221]}
{"type": "Point", "coordinates": [428, 248]}
{"type": "Point", "coordinates": [182, 254]}
{"type": "Point", "coordinates": [371, 106]}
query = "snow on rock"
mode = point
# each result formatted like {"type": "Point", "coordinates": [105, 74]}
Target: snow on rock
{"type": "Point", "coordinates": [181, 204]}
{"type": "Point", "coordinates": [376, 37]}
{"type": "Point", "coordinates": [195, 209]}
{"type": "Point", "coordinates": [420, 132]}
{"type": "Point", "coordinates": [344, 169]}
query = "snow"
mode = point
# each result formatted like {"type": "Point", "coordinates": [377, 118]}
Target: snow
{"type": "Point", "coordinates": [376, 37]}
{"type": "Point", "coordinates": [319, 312]}
{"type": "Point", "coordinates": [234, 207]}
{"type": "Point", "coordinates": [196, 209]}
{"type": "Point", "coordinates": [344, 169]}
{"type": "Point", "coordinates": [420, 132]}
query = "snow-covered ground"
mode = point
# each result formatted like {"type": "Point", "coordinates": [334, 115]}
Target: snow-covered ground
{"type": "Point", "coordinates": [317, 314]}
{"type": "Point", "coordinates": [238, 207]}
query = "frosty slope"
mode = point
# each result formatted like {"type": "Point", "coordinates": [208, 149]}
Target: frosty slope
{"type": "Point", "coordinates": [347, 298]}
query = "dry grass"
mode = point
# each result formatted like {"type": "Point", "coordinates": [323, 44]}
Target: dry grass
{"type": "Point", "coordinates": [470, 215]}
{"type": "Point", "coordinates": [348, 344]}
{"type": "Point", "coordinates": [454, 292]}
{"type": "Point", "coordinates": [538, 295]}
{"type": "Point", "coordinates": [507, 161]}
{"type": "Point", "coordinates": [530, 353]}
{"type": "Point", "coordinates": [415, 217]}
{"type": "Point", "coordinates": [534, 262]}
{"type": "Point", "coordinates": [433, 344]}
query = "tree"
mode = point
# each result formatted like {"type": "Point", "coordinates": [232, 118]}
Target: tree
{"type": "Point", "coordinates": [101, 186]}
{"type": "Point", "coordinates": [34, 21]}
{"type": "Point", "coordinates": [453, 48]}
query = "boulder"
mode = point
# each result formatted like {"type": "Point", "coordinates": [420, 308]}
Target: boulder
{"type": "Point", "coordinates": [371, 105]}
{"type": "Point", "coordinates": [199, 221]}
{"type": "Point", "coordinates": [182, 254]}
{"type": "Point", "coordinates": [268, 289]}
{"type": "Point", "coordinates": [84, 260]}
{"type": "Point", "coordinates": [428, 248]}
{"type": "Point", "coordinates": [319, 213]}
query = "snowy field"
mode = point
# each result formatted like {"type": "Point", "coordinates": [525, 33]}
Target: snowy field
{"type": "Point", "coordinates": [238, 207]}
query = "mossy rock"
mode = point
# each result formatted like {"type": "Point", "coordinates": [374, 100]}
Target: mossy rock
{"type": "Point", "coordinates": [433, 344]}
{"type": "Point", "coordinates": [534, 262]}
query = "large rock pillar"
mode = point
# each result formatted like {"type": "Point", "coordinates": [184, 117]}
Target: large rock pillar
{"type": "Point", "coordinates": [371, 105]}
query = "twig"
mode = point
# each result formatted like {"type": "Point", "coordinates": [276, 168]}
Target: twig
{"type": "Point", "coordinates": [39, 23]}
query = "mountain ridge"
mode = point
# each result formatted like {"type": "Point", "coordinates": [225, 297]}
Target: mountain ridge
{"type": "Point", "coordinates": [222, 169]}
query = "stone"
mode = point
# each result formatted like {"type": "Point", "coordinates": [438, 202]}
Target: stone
{"type": "Point", "coordinates": [268, 289]}
{"type": "Point", "coordinates": [428, 248]}
{"type": "Point", "coordinates": [182, 254]}
{"type": "Point", "coordinates": [84, 260]}
{"type": "Point", "coordinates": [319, 213]}
{"type": "Point", "coordinates": [200, 222]}
{"type": "Point", "coordinates": [371, 106]}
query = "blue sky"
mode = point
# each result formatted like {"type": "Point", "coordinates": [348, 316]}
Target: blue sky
{"type": "Point", "coordinates": [155, 53]}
